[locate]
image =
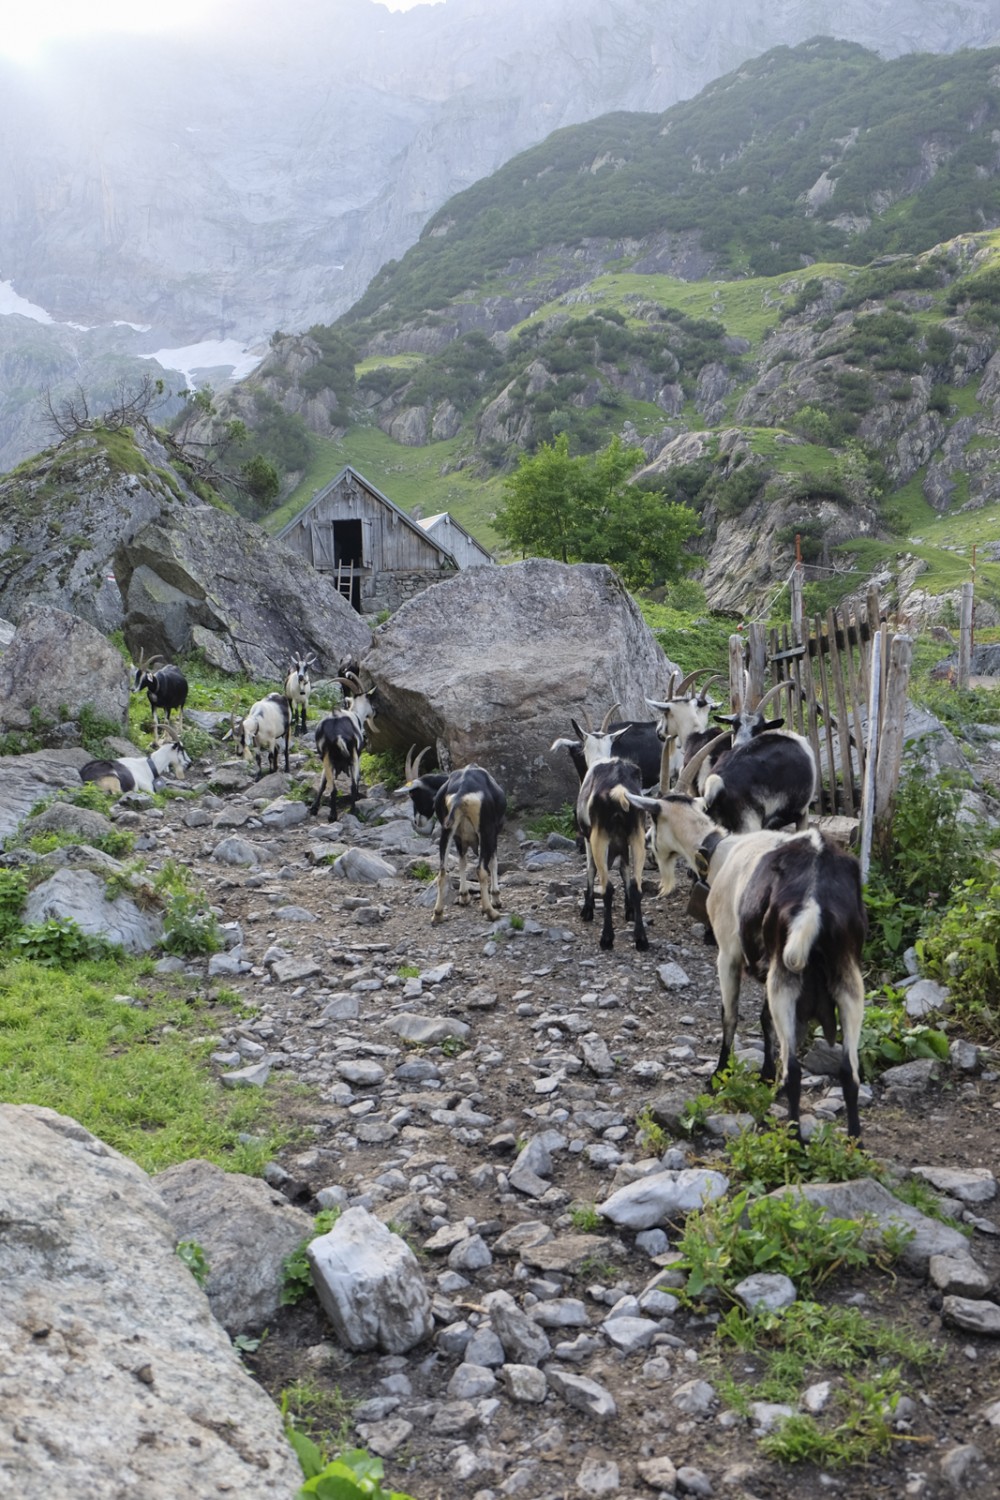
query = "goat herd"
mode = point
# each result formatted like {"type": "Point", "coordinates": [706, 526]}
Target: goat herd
{"type": "Point", "coordinates": [786, 907]}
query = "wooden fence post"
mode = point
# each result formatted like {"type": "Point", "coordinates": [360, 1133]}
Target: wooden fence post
{"type": "Point", "coordinates": [871, 751]}
{"type": "Point", "coordinates": [795, 590]}
{"type": "Point", "coordinates": [757, 664]}
{"type": "Point", "coordinates": [737, 674]}
{"type": "Point", "coordinates": [890, 749]}
{"type": "Point", "coordinates": [965, 636]}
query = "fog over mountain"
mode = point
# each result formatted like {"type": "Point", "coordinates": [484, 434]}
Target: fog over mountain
{"type": "Point", "coordinates": [231, 182]}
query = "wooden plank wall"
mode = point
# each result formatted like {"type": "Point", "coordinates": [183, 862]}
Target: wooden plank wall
{"type": "Point", "coordinates": [828, 699]}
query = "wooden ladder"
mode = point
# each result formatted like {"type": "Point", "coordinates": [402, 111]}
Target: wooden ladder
{"type": "Point", "coordinates": [345, 579]}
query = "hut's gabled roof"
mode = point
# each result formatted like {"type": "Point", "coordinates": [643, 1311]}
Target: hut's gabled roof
{"type": "Point", "coordinates": [348, 471]}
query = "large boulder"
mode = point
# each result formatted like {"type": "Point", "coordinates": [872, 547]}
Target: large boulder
{"type": "Point", "coordinates": [62, 516]}
{"type": "Point", "coordinates": [207, 580]}
{"type": "Point", "coordinates": [490, 665]}
{"type": "Point", "coordinates": [115, 1377]}
{"type": "Point", "coordinates": [56, 665]}
{"type": "Point", "coordinates": [26, 779]}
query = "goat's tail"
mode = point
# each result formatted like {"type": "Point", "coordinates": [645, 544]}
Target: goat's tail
{"type": "Point", "coordinates": [803, 930]}
{"type": "Point", "coordinates": [620, 795]}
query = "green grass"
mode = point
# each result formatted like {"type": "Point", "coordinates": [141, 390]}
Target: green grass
{"type": "Point", "coordinates": [407, 476]}
{"type": "Point", "coordinates": [135, 1077]}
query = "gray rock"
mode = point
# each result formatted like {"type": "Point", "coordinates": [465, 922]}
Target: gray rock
{"type": "Point", "coordinates": [767, 1291]}
{"type": "Point", "coordinates": [362, 867]}
{"type": "Point", "coordinates": [370, 1285]}
{"type": "Point", "coordinates": [206, 579]}
{"type": "Point", "coordinates": [101, 1361]}
{"type": "Point", "coordinates": [581, 1393]}
{"type": "Point", "coordinates": [662, 1196]}
{"type": "Point", "coordinates": [960, 1276]}
{"type": "Point", "coordinates": [525, 1384]}
{"type": "Point", "coordinates": [246, 1230]}
{"type": "Point", "coordinates": [867, 1199]}
{"type": "Point", "coordinates": [523, 1341]}
{"type": "Point", "coordinates": [56, 665]}
{"type": "Point", "coordinates": [968, 1185]}
{"type": "Point", "coordinates": [518, 645]}
{"type": "Point", "coordinates": [973, 1315]}
{"type": "Point", "coordinates": [427, 1031]}
{"type": "Point", "coordinates": [235, 851]}
{"type": "Point", "coordinates": [925, 998]}
{"type": "Point", "coordinates": [82, 897]}
{"type": "Point", "coordinates": [695, 1398]}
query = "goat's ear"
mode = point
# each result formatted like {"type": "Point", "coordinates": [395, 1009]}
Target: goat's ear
{"type": "Point", "coordinates": [580, 733]}
{"type": "Point", "coordinates": [725, 718]}
{"type": "Point", "coordinates": [565, 744]}
{"type": "Point", "coordinates": [773, 723]}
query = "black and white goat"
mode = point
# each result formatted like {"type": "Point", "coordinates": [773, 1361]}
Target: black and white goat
{"type": "Point", "coordinates": [470, 807]}
{"type": "Point", "coordinates": [138, 773]}
{"type": "Point", "coordinates": [166, 688]}
{"type": "Point", "coordinates": [788, 908]}
{"type": "Point", "coordinates": [612, 829]}
{"type": "Point", "coordinates": [421, 790]}
{"type": "Point", "coordinates": [262, 731]}
{"type": "Point", "coordinates": [682, 723]}
{"type": "Point", "coordinates": [766, 782]}
{"type": "Point", "coordinates": [298, 688]}
{"type": "Point", "coordinates": [340, 738]}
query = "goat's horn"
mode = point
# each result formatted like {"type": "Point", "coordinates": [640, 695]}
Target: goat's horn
{"type": "Point", "coordinates": [412, 768]}
{"type": "Point", "coordinates": [351, 681]}
{"type": "Point", "coordinates": [686, 682]}
{"type": "Point", "coordinates": [715, 677]}
{"type": "Point", "coordinates": [608, 717]}
{"type": "Point", "coordinates": [670, 685]}
{"type": "Point", "coordinates": [688, 776]}
{"type": "Point", "coordinates": [773, 692]}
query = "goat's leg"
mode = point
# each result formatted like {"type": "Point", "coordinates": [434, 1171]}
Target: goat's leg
{"type": "Point", "coordinates": [633, 873]}
{"type": "Point", "coordinates": [783, 991]}
{"type": "Point", "coordinates": [849, 997]}
{"type": "Point", "coordinates": [767, 1031]}
{"type": "Point", "coordinates": [488, 882]}
{"type": "Point", "coordinates": [463, 871]}
{"type": "Point", "coordinates": [442, 880]}
{"type": "Point", "coordinates": [730, 968]}
{"type": "Point", "coordinates": [288, 735]}
{"type": "Point", "coordinates": [608, 929]}
{"type": "Point", "coordinates": [587, 909]}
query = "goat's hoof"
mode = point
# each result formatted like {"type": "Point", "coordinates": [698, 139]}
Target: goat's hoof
{"type": "Point", "coordinates": [586, 915]}
{"type": "Point", "coordinates": [607, 944]}
{"type": "Point", "coordinates": [437, 919]}
{"type": "Point", "coordinates": [642, 944]}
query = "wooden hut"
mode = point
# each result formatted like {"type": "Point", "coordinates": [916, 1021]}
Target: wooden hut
{"type": "Point", "coordinates": [378, 555]}
{"type": "Point", "coordinates": [464, 548]}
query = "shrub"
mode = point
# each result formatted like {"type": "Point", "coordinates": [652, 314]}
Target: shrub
{"type": "Point", "coordinates": [13, 889]}
{"type": "Point", "coordinates": [296, 1277]}
{"type": "Point", "coordinates": [60, 943]}
{"type": "Point", "coordinates": [962, 949]}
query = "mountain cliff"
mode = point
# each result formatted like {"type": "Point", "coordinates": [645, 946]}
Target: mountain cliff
{"type": "Point", "coordinates": [224, 184]}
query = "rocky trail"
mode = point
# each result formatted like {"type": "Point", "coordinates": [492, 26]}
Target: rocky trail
{"type": "Point", "coordinates": [477, 1086]}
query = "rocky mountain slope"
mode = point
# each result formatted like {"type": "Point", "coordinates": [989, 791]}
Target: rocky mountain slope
{"type": "Point", "coordinates": [226, 183]}
{"type": "Point", "coordinates": [821, 397]}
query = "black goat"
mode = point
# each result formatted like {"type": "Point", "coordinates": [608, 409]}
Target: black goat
{"type": "Point", "coordinates": [340, 738]}
{"type": "Point", "coordinates": [421, 790]}
{"type": "Point", "coordinates": [470, 807]}
{"type": "Point", "coordinates": [166, 689]}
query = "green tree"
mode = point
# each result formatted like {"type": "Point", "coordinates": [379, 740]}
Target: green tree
{"type": "Point", "coordinates": [585, 510]}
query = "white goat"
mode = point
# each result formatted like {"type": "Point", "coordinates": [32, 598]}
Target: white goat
{"type": "Point", "coordinates": [138, 773]}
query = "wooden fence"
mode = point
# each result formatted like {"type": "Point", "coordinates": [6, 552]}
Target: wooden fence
{"type": "Point", "coordinates": [849, 677]}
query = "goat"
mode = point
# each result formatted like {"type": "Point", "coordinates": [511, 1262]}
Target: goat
{"type": "Point", "coordinates": [612, 829]}
{"type": "Point", "coordinates": [340, 738]}
{"type": "Point", "coordinates": [262, 731]}
{"type": "Point", "coordinates": [639, 742]}
{"type": "Point", "coordinates": [788, 907]}
{"type": "Point", "coordinates": [421, 790]}
{"type": "Point", "coordinates": [138, 773]}
{"type": "Point", "coordinates": [165, 688]}
{"type": "Point", "coordinates": [297, 689]}
{"type": "Point", "coordinates": [682, 725]}
{"type": "Point", "coordinates": [765, 783]}
{"type": "Point", "coordinates": [470, 807]}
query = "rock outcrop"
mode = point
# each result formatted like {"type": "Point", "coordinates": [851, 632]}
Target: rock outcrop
{"type": "Point", "coordinates": [56, 666]}
{"type": "Point", "coordinates": [115, 1375]}
{"type": "Point", "coordinates": [502, 658]}
{"type": "Point", "coordinates": [212, 582]}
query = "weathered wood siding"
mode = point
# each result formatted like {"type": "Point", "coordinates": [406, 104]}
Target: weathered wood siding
{"type": "Point", "coordinates": [389, 543]}
{"type": "Point", "coordinates": [466, 552]}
